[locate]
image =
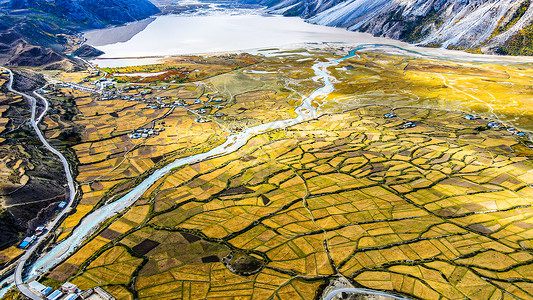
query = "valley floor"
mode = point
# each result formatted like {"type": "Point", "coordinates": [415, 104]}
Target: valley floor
{"type": "Point", "coordinates": [413, 178]}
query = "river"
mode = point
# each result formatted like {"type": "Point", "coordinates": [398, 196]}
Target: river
{"type": "Point", "coordinates": [178, 35]}
{"type": "Point", "coordinates": [91, 222]}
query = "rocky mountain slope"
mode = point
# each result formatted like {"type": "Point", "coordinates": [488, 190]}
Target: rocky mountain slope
{"type": "Point", "coordinates": [489, 26]}
{"type": "Point", "coordinates": [91, 13]}
{"type": "Point", "coordinates": [33, 32]}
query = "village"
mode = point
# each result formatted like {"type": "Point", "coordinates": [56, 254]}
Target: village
{"type": "Point", "coordinates": [69, 291]}
{"type": "Point", "coordinates": [204, 107]}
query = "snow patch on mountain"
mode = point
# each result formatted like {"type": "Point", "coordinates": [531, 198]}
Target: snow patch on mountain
{"type": "Point", "coordinates": [465, 24]}
{"type": "Point", "coordinates": [359, 11]}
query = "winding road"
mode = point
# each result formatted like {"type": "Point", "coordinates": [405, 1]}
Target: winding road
{"type": "Point", "coordinates": [18, 279]}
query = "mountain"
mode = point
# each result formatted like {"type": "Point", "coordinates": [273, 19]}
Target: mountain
{"type": "Point", "coordinates": [34, 32]}
{"type": "Point", "coordinates": [91, 13]}
{"type": "Point", "coordinates": [488, 26]}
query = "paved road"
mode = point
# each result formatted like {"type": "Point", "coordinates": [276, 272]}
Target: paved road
{"type": "Point", "coordinates": [19, 282]}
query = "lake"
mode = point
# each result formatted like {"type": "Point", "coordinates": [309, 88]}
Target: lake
{"type": "Point", "coordinates": [177, 35]}
{"type": "Point", "coordinates": [237, 30]}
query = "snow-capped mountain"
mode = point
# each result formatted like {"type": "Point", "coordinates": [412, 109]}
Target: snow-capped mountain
{"type": "Point", "coordinates": [503, 26]}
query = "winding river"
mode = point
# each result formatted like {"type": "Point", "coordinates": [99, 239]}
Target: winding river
{"type": "Point", "coordinates": [91, 222]}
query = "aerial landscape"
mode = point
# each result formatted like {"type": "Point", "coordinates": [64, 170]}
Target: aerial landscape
{"type": "Point", "coordinates": [266, 149]}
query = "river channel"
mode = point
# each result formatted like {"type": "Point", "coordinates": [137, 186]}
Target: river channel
{"type": "Point", "coordinates": [92, 221]}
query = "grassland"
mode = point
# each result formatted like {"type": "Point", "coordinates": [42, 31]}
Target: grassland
{"type": "Point", "coordinates": [496, 91]}
{"type": "Point", "coordinates": [438, 211]}
{"type": "Point", "coordinates": [182, 69]}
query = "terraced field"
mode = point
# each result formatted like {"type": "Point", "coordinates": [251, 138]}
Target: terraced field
{"type": "Point", "coordinates": [436, 210]}
{"type": "Point", "coordinates": [441, 210]}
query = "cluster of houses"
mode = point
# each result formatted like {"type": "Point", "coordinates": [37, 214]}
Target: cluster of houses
{"type": "Point", "coordinates": [516, 131]}
{"type": "Point", "coordinates": [471, 117]}
{"type": "Point", "coordinates": [159, 105]}
{"type": "Point", "coordinates": [497, 125]}
{"type": "Point", "coordinates": [144, 132]}
{"type": "Point", "coordinates": [80, 87]}
{"type": "Point", "coordinates": [103, 83]}
{"type": "Point", "coordinates": [491, 124]}
{"type": "Point", "coordinates": [215, 100]}
{"type": "Point", "coordinates": [69, 291]}
{"type": "Point", "coordinates": [408, 125]}
{"type": "Point", "coordinates": [28, 241]}
{"type": "Point", "coordinates": [31, 239]}
{"type": "Point", "coordinates": [405, 125]}
{"type": "Point", "coordinates": [202, 120]}
{"type": "Point", "coordinates": [154, 103]}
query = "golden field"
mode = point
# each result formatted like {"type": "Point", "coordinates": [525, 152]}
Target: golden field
{"type": "Point", "coordinates": [438, 211]}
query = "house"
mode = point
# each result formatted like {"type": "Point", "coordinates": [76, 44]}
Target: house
{"type": "Point", "coordinates": [39, 287]}
{"type": "Point", "coordinates": [389, 115]}
{"type": "Point", "coordinates": [27, 242]}
{"type": "Point", "coordinates": [39, 230]}
{"type": "Point", "coordinates": [100, 291]}
{"type": "Point", "coordinates": [47, 291]}
{"type": "Point", "coordinates": [85, 294]}
{"type": "Point", "coordinates": [71, 297]}
{"type": "Point", "coordinates": [493, 124]}
{"type": "Point", "coordinates": [201, 120]}
{"type": "Point", "coordinates": [408, 125]}
{"type": "Point", "coordinates": [471, 117]}
{"type": "Point", "coordinates": [68, 287]}
{"type": "Point", "coordinates": [55, 295]}
{"type": "Point", "coordinates": [24, 244]}
{"type": "Point", "coordinates": [62, 204]}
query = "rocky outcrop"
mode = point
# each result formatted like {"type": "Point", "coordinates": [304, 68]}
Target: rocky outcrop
{"type": "Point", "coordinates": [87, 51]}
{"type": "Point", "coordinates": [34, 56]}
{"type": "Point", "coordinates": [32, 31]}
